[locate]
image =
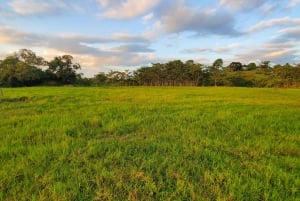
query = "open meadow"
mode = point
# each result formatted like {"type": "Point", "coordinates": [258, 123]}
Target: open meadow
{"type": "Point", "coordinates": [149, 143]}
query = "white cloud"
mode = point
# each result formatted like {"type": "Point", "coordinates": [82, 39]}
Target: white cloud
{"type": "Point", "coordinates": [76, 43]}
{"type": "Point", "coordinates": [178, 17]}
{"type": "Point", "coordinates": [91, 64]}
{"type": "Point", "coordinates": [36, 7]}
{"type": "Point", "coordinates": [285, 21]}
{"type": "Point", "coordinates": [154, 31]}
{"type": "Point", "coordinates": [129, 9]}
{"type": "Point", "coordinates": [218, 49]}
{"type": "Point", "coordinates": [132, 48]}
{"type": "Point", "coordinates": [228, 48]}
{"type": "Point", "coordinates": [109, 3]}
{"type": "Point", "coordinates": [122, 49]}
{"type": "Point", "coordinates": [241, 4]}
{"type": "Point", "coordinates": [293, 3]}
{"type": "Point", "coordinates": [291, 33]}
{"type": "Point", "coordinates": [94, 64]}
{"type": "Point", "coordinates": [3, 54]}
{"type": "Point", "coordinates": [268, 8]}
{"type": "Point", "coordinates": [277, 53]}
{"type": "Point", "coordinates": [128, 37]}
{"type": "Point", "coordinates": [41, 8]}
{"type": "Point", "coordinates": [274, 51]}
{"type": "Point", "coordinates": [147, 17]}
{"type": "Point", "coordinates": [205, 23]}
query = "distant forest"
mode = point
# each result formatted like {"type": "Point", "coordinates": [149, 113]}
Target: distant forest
{"type": "Point", "coordinates": [25, 68]}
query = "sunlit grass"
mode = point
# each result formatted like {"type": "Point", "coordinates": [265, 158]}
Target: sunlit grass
{"type": "Point", "coordinates": [149, 144]}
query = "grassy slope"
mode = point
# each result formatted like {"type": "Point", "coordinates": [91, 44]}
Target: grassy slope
{"type": "Point", "coordinates": [149, 144]}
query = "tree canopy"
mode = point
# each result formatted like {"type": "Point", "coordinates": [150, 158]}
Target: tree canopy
{"type": "Point", "coordinates": [25, 68]}
{"type": "Point", "coordinates": [64, 69]}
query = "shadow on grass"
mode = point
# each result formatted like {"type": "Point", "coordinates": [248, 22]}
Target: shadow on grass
{"type": "Point", "coordinates": [16, 99]}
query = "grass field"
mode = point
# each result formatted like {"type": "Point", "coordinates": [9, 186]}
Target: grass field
{"type": "Point", "coordinates": [138, 143]}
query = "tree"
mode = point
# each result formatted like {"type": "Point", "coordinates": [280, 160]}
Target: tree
{"type": "Point", "coordinates": [235, 66]}
{"type": "Point", "coordinates": [218, 64]}
{"type": "Point", "coordinates": [265, 64]}
{"type": "Point", "coordinates": [159, 74]}
{"type": "Point", "coordinates": [16, 71]}
{"type": "Point", "coordinates": [216, 70]}
{"type": "Point", "coordinates": [100, 78]}
{"type": "Point", "coordinates": [194, 71]}
{"type": "Point", "coordinates": [64, 69]}
{"type": "Point", "coordinates": [28, 75]}
{"type": "Point", "coordinates": [176, 72]}
{"type": "Point", "coordinates": [251, 66]}
{"type": "Point", "coordinates": [30, 58]}
{"type": "Point", "coordinates": [123, 78]}
{"type": "Point", "coordinates": [287, 75]}
{"type": "Point", "coordinates": [144, 76]}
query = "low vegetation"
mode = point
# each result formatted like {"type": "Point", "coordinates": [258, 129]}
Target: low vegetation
{"type": "Point", "coordinates": [149, 143]}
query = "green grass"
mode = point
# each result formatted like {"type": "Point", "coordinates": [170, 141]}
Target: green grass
{"type": "Point", "coordinates": [149, 144]}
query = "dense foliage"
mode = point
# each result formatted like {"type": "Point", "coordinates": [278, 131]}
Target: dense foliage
{"type": "Point", "coordinates": [25, 69]}
{"type": "Point", "coordinates": [177, 73]}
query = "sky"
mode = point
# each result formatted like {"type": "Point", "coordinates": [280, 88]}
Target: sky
{"type": "Point", "coordinates": [105, 35]}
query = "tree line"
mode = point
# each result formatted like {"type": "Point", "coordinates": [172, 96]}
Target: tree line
{"type": "Point", "coordinates": [25, 68]}
{"type": "Point", "coordinates": [189, 73]}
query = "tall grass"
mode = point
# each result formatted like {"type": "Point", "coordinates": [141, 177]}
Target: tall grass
{"type": "Point", "coordinates": [149, 144]}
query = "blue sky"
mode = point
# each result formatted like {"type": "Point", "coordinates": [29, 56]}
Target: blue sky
{"type": "Point", "coordinates": [125, 34]}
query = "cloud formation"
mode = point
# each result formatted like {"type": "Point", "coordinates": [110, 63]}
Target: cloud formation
{"type": "Point", "coordinates": [291, 33]}
{"type": "Point", "coordinates": [241, 4]}
{"type": "Point", "coordinates": [177, 17]}
{"type": "Point", "coordinates": [218, 50]}
{"type": "Point", "coordinates": [134, 32]}
{"type": "Point", "coordinates": [71, 43]}
{"type": "Point", "coordinates": [275, 51]}
{"type": "Point", "coordinates": [129, 9]}
{"type": "Point", "coordinates": [293, 3]}
{"type": "Point", "coordinates": [285, 21]}
{"type": "Point", "coordinates": [147, 17]}
{"type": "Point", "coordinates": [89, 50]}
{"type": "Point", "coordinates": [37, 7]}
{"type": "Point", "coordinates": [132, 48]}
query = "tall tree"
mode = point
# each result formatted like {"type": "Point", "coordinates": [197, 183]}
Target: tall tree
{"type": "Point", "coordinates": [216, 71]}
{"type": "Point", "coordinates": [64, 69]}
{"type": "Point", "coordinates": [251, 66]}
{"type": "Point", "coordinates": [30, 58]}
{"type": "Point", "coordinates": [18, 70]}
{"type": "Point", "coordinates": [265, 64]}
{"type": "Point", "coordinates": [235, 66]}
{"type": "Point", "coordinates": [194, 71]}
{"type": "Point", "coordinates": [100, 79]}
